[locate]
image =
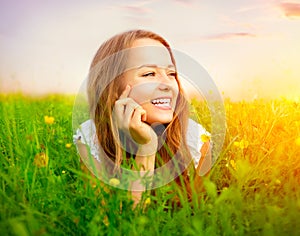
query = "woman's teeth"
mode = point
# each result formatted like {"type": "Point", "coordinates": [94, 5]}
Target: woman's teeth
{"type": "Point", "coordinates": [161, 102]}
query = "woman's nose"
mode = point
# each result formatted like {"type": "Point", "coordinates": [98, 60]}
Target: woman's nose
{"type": "Point", "coordinates": [164, 87]}
{"type": "Point", "coordinates": [166, 82]}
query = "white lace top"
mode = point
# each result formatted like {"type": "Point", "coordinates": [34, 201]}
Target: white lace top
{"type": "Point", "coordinates": [87, 135]}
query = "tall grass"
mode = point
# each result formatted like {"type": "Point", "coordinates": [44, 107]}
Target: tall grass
{"type": "Point", "coordinates": [253, 189]}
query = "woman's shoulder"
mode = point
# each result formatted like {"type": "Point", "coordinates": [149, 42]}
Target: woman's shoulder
{"type": "Point", "coordinates": [86, 131]}
{"type": "Point", "coordinates": [86, 134]}
{"type": "Point", "coordinates": [195, 130]}
{"type": "Point", "coordinates": [88, 124]}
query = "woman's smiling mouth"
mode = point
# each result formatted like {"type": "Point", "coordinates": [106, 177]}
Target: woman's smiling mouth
{"type": "Point", "coordinates": [162, 103]}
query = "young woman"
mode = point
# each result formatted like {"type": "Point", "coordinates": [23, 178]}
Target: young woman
{"type": "Point", "coordinates": [140, 116]}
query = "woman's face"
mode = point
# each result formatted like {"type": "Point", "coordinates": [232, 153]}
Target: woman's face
{"type": "Point", "coordinates": [152, 77]}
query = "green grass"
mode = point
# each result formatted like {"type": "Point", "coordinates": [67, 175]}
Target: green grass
{"type": "Point", "coordinates": [250, 191]}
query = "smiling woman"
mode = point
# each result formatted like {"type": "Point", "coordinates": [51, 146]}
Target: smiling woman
{"type": "Point", "coordinates": [140, 117]}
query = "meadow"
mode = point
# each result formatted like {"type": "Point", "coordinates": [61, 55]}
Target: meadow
{"type": "Point", "coordinates": [253, 189]}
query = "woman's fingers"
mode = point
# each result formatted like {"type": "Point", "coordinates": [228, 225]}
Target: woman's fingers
{"type": "Point", "coordinates": [121, 103]}
{"type": "Point", "coordinates": [137, 115]}
{"type": "Point", "coordinates": [140, 131]}
{"type": "Point", "coordinates": [120, 106]}
{"type": "Point", "coordinates": [130, 108]}
{"type": "Point", "coordinates": [123, 112]}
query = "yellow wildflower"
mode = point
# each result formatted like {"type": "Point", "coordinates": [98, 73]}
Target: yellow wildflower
{"type": "Point", "coordinates": [242, 144]}
{"type": "Point", "coordinates": [232, 163]}
{"type": "Point", "coordinates": [228, 106]}
{"type": "Point", "coordinates": [277, 182]}
{"type": "Point", "coordinates": [205, 138]}
{"type": "Point", "coordinates": [297, 141]}
{"type": "Point", "coordinates": [68, 145]}
{"type": "Point", "coordinates": [147, 201]}
{"type": "Point", "coordinates": [63, 172]}
{"type": "Point", "coordinates": [41, 160]}
{"type": "Point", "coordinates": [49, 120]}
{"type": "Point", "coordinates": [105, 220]}
{"type": "Point", "coordinates": [114, 182]}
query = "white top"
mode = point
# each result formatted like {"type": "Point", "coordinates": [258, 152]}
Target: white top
{"type": "Point", "coordinates": [87, 135]}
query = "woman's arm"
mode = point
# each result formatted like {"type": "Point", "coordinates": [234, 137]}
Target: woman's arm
{"type": "Point", "coordinates": [205, 162]}
{"type": "Point", "coordinates": [146, 166]}
{"type": "Point", "coordinates": [204, 166]}
{"type": "Point", "coordinates": [145, 162]}
{"type": "Point", "coordinates": [88, 160]}
{"type": "Point", "coordinates": [130, 118]}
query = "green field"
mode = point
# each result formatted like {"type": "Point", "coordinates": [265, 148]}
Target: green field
{"type": "Point", "coordinates": [253, 189]}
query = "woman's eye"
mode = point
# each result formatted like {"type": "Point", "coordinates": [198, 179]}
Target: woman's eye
{"type": "Point", "coordinates": [173, 74]}
{"type": "Point", "coordinates": [148, 74]}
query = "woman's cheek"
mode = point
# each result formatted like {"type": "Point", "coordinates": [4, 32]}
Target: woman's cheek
{"type": "Point", "coordinates": [143, 93]}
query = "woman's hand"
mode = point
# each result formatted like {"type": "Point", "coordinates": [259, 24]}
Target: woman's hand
{"type": "Point", "coordinates": [130, 117]}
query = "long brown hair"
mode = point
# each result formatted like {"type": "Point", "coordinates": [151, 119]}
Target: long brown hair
{"type": "Point", "coordinates": [103, 91]}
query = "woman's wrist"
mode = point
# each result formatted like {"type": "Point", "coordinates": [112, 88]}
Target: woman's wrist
{"type": "Point", "coordinates": [149, 149]}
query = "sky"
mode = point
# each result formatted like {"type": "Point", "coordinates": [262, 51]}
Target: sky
{"type": "Point", "coordinates": [250, 49]}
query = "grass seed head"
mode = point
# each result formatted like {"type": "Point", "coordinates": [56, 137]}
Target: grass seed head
{"type": "Point", "coordinates": [41, 160]}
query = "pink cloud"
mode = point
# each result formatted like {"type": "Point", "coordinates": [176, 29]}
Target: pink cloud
{"type": "Point", "coordinates": [184, 2]}
{"type": "Point", "coordinates": [135, 9]}
{"type": "Point", "coordinates": [290, 9]}
{"type": "Point", "coordinates": [225, 36]}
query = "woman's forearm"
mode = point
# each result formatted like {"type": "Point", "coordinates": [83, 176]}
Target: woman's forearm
{"type": "Point", "coordinates": [145, 162]}
{"type": "Point", "coordinates": [145, 167]}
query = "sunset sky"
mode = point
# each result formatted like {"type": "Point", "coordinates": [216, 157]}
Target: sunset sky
{"type": "Point", "coordinates": [251, 49]}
